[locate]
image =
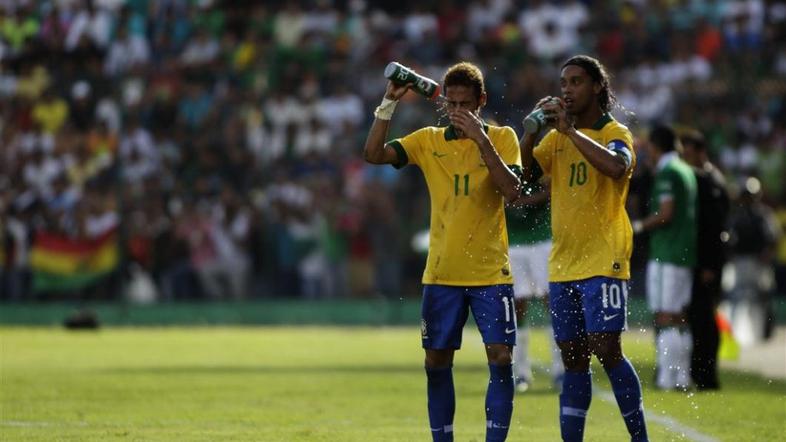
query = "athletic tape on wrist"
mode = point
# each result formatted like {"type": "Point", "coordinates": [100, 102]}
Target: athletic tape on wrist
{"type": "Point", "coordinates": [385, 109]}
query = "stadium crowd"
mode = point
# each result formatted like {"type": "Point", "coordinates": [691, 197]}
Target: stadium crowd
{"type": "Point", "coordinates": [222, 139]}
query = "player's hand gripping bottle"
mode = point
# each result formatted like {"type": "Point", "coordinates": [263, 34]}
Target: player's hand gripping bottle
{"type": "Point", "coordinates": [400, 74]}
{"type": "Point", "coordinates": [537, 119]}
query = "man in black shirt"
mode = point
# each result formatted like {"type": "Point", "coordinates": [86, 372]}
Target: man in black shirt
{"type": "Point", "coordinates": [713, 210]}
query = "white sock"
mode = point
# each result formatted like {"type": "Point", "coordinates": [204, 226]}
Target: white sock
{"type": "Point", "coordinates": [668, 348]}
{"type": "Point", "coordinates": [683, 369]}
{"type": "Point", "coordinates": [521, 354]}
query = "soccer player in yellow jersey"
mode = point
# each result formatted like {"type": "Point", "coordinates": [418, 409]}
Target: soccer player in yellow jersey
{"type": "Point", "coordinates": [471, 169]}
{"type": "Point", "coordinates": [589, 157]}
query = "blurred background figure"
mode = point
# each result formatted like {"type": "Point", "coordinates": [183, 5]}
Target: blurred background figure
{"type": "Point", "coordinates": [672, 255]}
{"type": "Point", "coordinates": [754, 233]}
{"type": "Point", "coordinates": [711, 238]}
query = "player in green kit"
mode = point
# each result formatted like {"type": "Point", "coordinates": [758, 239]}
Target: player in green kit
{"type": "Point", "coordinates": [529, 235]}
{"type": "Point", "coordinates": [672, 256]}
{"type": "Point", "coordinates": [471, 170]}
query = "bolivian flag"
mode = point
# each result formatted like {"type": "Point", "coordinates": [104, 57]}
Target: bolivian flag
{"type": "Point", "coordinates": [62, 264]}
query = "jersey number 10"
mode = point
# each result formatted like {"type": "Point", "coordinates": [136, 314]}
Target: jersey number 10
{"type": "Point", "coordinates": [578, 173]}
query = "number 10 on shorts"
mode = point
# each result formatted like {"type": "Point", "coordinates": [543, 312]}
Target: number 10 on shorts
{"type": "Point", "coordinates": [612, 295]}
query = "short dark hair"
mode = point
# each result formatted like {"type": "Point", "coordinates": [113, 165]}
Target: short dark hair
{"type": "Point", "coordinates": [663, 137]}
{"type": "Point", "coordinates": [694, 138]}
{"type": "Point", "coordinates": [600, 75]}
{"type": "Point", "coordinates": [465, 74]}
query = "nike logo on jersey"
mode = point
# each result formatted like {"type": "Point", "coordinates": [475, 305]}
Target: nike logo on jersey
{"type": "Point", "coordinates": [439, 155]}
{"type": "Point", "coordinates": [509, 330]}
{"type": "Point", "coordinates": [610, 317]}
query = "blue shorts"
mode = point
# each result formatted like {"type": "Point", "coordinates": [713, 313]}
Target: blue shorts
{"type": "Point", "coordinates": [445, 310]}
{"type": "Point", "coordinates": [593, 305]}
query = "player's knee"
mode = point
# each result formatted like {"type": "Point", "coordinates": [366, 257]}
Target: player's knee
{"type": "Point", "coordinates": [574, 357]}
{"type": "Point", "coordinates": [499, 354]}
{"type": "Point", "coordinates": [574, 362]}
{"type": "Point", "coordinates": [608, 352]}
{"type": "Point", "coordinates": [439, 358]}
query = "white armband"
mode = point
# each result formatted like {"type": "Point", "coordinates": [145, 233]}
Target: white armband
{"type": "Point", "coordinates": [385, 110]}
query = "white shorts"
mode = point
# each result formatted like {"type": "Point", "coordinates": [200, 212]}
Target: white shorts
{"type": "Point", "coordinates": [530, 265]}
{"type": "Point", "coordinates": [668, 287]}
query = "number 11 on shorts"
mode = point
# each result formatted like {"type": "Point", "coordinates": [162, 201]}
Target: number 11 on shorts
{"type": "Point", "coordinates": [509, 306]}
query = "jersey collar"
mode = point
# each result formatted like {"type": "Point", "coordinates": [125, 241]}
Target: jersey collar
{"type": "Point", "coordinates": [602, 121]}
{"type": "Point", "coordinates": [450, 132]}
{"type": "Point", "coordinates": [665, 159]}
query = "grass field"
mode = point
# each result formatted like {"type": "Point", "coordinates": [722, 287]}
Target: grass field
{"type": "Point", "coordinates": [317, 384]}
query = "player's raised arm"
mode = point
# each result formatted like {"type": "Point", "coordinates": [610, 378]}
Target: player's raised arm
{"type": "Point", "coordinates": [504, 179]}
{"type": "Point", "coordinates": [527, 144]}
{"type": "Point", "coordinates": [375, 151]}
{"type": "Point", "coordinates": [607, 162]}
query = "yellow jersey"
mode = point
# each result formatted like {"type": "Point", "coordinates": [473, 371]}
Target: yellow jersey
{"type": "Point", "coordinates": [592, 235]}
{"type": "Point", "coordinates": [468, 240]}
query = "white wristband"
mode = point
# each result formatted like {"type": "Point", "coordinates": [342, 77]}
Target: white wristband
{"type": "Point", "coordinates": [638, 226]}
{"type": "Point", "coordinates": [385, 110]}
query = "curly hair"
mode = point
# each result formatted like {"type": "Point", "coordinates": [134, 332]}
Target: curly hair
{"type": "Point", "coordinates": [600, 75]}
{"type": "Point", "coordinates": [465, 74]}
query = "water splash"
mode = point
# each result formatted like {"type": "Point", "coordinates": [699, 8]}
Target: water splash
{"type": "Point", "coordinates": [441, 104]}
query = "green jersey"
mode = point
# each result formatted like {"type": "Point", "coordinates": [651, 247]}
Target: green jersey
{"type": "Point", "coordinates": [674, 242]}
{"type": "Point", "coordinates": [529, 224]}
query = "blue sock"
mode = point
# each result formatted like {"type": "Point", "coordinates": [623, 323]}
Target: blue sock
{"type": "Point", "coordinates": [441, 403]}
{"type": "Point", "coordinates": [499, 402]}
{"type": "Point", "coordinates": [574, 401]}
{"type": "Point", "coordinates": [627, 389]}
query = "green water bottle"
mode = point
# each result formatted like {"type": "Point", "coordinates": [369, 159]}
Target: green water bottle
{"type": "Point", "coordinates": [536, 120]}
{"type": "Point", "coordinates": [400, 74]}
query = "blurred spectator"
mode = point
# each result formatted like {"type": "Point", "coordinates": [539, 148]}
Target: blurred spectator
{"type": "Point", "coordinates": [754, 233]}
{"type": "Point", "coordinates": [50, 112]}
{"type": "Point", "coordinates": [126, 52]}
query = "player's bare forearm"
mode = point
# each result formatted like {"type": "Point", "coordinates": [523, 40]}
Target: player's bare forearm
{"type": "Point", "coordinates": [657, 220]}
{"type": "Point", "coordinates": [470, 124]}
{"type": "Point", "coordinates": [506, 181]}
{"type": "Point", "coordinates": [527, 144]}
{"type": "Point", "coordinates": [374, 151]}
{"type": "Point", "coordinates": [606, 162]}
{"type": "Point", "coordinates": [534, 199]}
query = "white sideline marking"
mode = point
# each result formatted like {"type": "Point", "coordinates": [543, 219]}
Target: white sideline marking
{"type": "Point", "coordinates": [664, 420]}
{"type": "Point", "coordinates": [26, 424]}
{"type": "Point", "coordinates": [38, 424]}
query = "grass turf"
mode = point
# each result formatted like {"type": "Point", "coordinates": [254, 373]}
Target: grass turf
{"type": "Point", "coordinates": [315, 384]}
